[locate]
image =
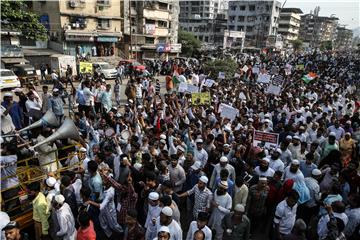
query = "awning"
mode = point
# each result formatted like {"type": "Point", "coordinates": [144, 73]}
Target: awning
{"type": "Point", "coordinates": [107, 39]}
{"type": "Point", "coordinates": [14, 60]}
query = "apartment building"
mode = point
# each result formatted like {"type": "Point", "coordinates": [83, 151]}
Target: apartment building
{"type": "Point", "coordinates": [82, 27]}
{"type": "Point", "coordinates": [289, 24]}
{"type": "Point", "coordinates": [258, 19]}
{"type": "Point", "coordinates": [205, 19]}
{"type": "Point", "coordinates": [315, 29]}
{"type": "Point", "coordinates": [151, 29]}
{"type": "Point", "coordinates": [344, 38]}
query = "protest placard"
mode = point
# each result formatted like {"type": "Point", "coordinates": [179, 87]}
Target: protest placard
{"type": "Point", "coordinates": [86, 67]}
{"type": "Point", "coordinates": [263, 78]}
{"type": "Point", "coordinates": [185, 87]}
{"type": "Point", "coordinates": [209, 83]}
{"type": "Point", "coordinates": [265, 139]}
{"type": "Point", "coordinates": [274, 70]}
{"type": "Point", "coordinates": [228, 111]}
{"type": "Point", "coordinates": [236, 75]}
{"type": "Point", "coordinates": [202, 98]}
{"type": "Point", "coordinates": [221, 75]}
{"type": "Point", "coordinates": [300, 67]}
{"type": "Point", "coordinates": [245, 68]}
{"type": "Point", "coordinates": [255, 70]}
{"type": "Point", "coordinates": [278, 80]}
{"type": "Point", "coordinates": [272, 89]}
{"type": "Point", "coordinates": [242, 96]}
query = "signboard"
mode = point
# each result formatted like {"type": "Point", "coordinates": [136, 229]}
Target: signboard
{"type": "Point", "coordinates": [245, 68]}
{"type": "Point", "coordinates": [184, 87]}
{"type": "Point", "coordinates": [175, 47]}
{"type": "Point", "coordinates": [86, 67]}
{"type": "Point", "coordinates": [272, 89]}
{"type": "Point", "coordinates": [221, 75]}
{"type": "Point", "coordinates": [163, 47]}
{"type": "Point", "coordinates": [209, 83]}
{"type": "Point", "coordinates": [263, 78]}
{"type": "Point", "coordinates": [265, 139]}
{"type": "Point", "coordinates": [107, 39]}
{"type": "Point", "coordinates": [228, 111]}
{"type": "Point", "coordinates": [202, 98]}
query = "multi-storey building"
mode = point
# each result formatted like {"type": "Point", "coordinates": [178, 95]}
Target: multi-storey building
{"type": "Point", "coordinates": [289, 24]}
{"type": "Point", "coordinates": [205, 19]}
{"type": "Point", "coordinates": [344, 38]}
{"type": "Point", "coordinates": [258, 19]}
{"type": "Point", "coordinates": [315, 29]}
{"type": "Point", "coordinates": [151, 28]}
{"type": "Point", "coordinates": [82, 27]}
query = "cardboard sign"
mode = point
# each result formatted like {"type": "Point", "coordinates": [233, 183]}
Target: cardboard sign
{"type": "Point", "coordinates": [263, 78]}
{"type": "Point", "coordinates": [209, 83]}
{"type": "Point", "coordinates": [86, 67]}
{"type": "Point", "coordinates": [278, 80]}
{"type": "Point", "coordinates": [236, 75]}
{"type": "Point", "coordinates": [202, 98]}
{"type": "Point", "coordinates": [245, 68]}
{"type": "Point", "coordinates": [265, 140]}
{"type": "Point", "coordinates": [221, 75]}
{"type": "Point", "coordinates": [242, 96]}
{"type": "Point", "coordinates": [300, 67]}
{"type": "Point", "coordinates": [228, 111]}
{"type": "Point", "coordinates": [185, 87]}
{"type": "Point", "coordinates": [272, 89]}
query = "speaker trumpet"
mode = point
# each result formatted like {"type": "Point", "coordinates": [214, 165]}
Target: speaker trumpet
{"type": "Point", "coordinates": [66, 130]}
{"type": "Point", "coordinates": [49, 120]}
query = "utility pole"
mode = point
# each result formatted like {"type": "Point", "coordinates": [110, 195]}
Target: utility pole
{"type": "Point", "coordinates": [131, 47]}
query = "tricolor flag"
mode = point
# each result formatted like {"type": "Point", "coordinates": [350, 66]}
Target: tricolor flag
{"type": "Point", "coordinates": [309, 77]}
{"type": "Point", "coordinates": [175, 77]}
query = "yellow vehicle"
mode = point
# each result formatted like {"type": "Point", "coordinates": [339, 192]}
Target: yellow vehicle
{"type": "Point", "coordinates": [26, 174]}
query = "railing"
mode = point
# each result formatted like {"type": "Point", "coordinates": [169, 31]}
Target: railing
{"type": "Point", "coordinates": [28, 174]}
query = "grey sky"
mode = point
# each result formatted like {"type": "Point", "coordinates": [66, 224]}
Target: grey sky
{"type": "Point", "coordinates": [348, 11]}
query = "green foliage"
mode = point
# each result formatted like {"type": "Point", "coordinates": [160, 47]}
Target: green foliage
{"type": "Point", "coordinates": [297, 44]}
{"type": "Point", "coordinates": [327, 45]}
{"type": "Point", "coordinates": [16, 16]}
{"type": "Point", "coordinates": [190, 44]}
{"type": "Point", "coordinates": [227, 65]}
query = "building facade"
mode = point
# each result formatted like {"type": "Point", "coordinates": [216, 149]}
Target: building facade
{"type": "Point", "coordinates": [289, 24]}
{"type": "Point", "coordinates": [344, 38]}
{"type": "Point", "coordinates": [258, 19]}
{"type": "Point", "coordinates": [151, 29]}
{"type": "Point", "coordinates": [82, 27]}
{"type": "Point", "coordinates": [205, 19]}
{"type": "Point", "coordinates": [315, 29]}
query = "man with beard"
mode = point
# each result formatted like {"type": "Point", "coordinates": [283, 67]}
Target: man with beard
{"type": "Point", "coordinates": [56, 104]}
{"type": "Point", "coordinates": [237, 224]}
{"type": "Point", "coordinates": [165, 219]}
{"type": "Point", "coordinates": [329, 145]}
{"type": "Point", "coordinates": [200, 224]}
{"type": "Point", "coordinates": [263, 169]}
{"type": "Point", "coordinates": [223, 164]}
{"type": "Point", "coordinates": [199, 153]}
{"type": "Point", "coordinates": [153, 213]}
{"type": "Point", "coordinates": [285, 155]}
{"type": "Point", "coordinates": [275, 163]}
{"type": "Point", "coordinates": [295, 147]}
{"type": "Point", "coordinates": [12, 232]}
{"type": "Point", "coordinates": [221, 205]}
{"type": "Point", "coordinates": [293, 171]}
{"type": "Point", "coordinates": [177, 174]}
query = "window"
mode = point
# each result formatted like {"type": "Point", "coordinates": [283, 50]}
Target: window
{"type": "Point", "coordinates": [162, 24]}
{"type": "Point", "coordinates": [233, 8]}
{"type": "Point", "coordinates": [240, 28]}
{"type": "Point", "coordinates": [206, 39]}
{"type": "Point", "coordinates": [232, 18]}
{"type": "Point", "coordinates": [163, 6]}
{"type": "Point", "coordinates": [206, 9]}
{"type": "Point", "coordinates": [207, 15]}
{"type": "Point", "coordinates": [103, 2]}
{"type": "Point", "coordinates": [104, 23]}
{"type": "Point", "coordinates": [133, 4]}
{"type": "Point", "coordinates": [232, 28]}
{"type": "Point", "coordinates": [249, 29]}
{"type": "Point", "coordinates": [162, 40]}
{"type": "Point", "coordinates": [149, 40]}
{"type": "Point", "coordinates": [251, 8]}
{"type": "Point", "coordinates": [242, 8]}
{"type": "Point", "coordinates": [250, 18]}
{"type": "Point", "coordinates": [149, 21]}
{"type": "Point", "coordinates": [241, 18]}
{"type": "Point", "coordinates": [200, 38]}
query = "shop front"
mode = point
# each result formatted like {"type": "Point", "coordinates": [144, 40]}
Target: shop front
{"type": "Point", "coordinates": [79, 44]}
{"type": "Point", "coordinates": [106, 46]}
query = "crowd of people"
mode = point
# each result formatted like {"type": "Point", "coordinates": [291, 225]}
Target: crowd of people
{"type": "Point", "coordinates": [161, 167]}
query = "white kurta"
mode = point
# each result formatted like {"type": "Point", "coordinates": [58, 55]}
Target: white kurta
{"type": "Point", "coordinates": [225, 203]}
{"type": "Point", "coordinates": [47, 154]}
{"type": "Point", "coordinates": [66, 222]}
{"type": "Point", "coordinates": [153, 213]}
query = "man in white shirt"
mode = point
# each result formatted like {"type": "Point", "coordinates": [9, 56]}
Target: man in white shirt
{"type": "Point", "coordinates": [165, 219]}
{"type": "Point", "coordinates": [216, 172]}
{"type": "Point", "coordinates": [263, 169]}
{"type": "Point", "coordinates": [200, 224]}
{"type": "Point", "coordinates": [285, 215]}
{"type": "Point", "coordinates": [199, 153]}
{"type": "Point", "coordinates": [275, 162]}
{"type": "Point", "coordinates": [293, 172]}
{"type": "Point", "coordinates": [65, 217]}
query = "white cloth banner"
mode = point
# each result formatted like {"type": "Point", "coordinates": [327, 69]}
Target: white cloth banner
{"type": "Point", "coordinates": [185, 87]}
{"type": "Point", "coordinates": [209, 82]}
{"type": "Point", "coordinates": [255, 70]}
{"type": "Point", "coordinates": [272, 89]}
{"type": "Point", "coordinates": [227, 111]}
{"type": "Point", "coordinates": [263, 78]}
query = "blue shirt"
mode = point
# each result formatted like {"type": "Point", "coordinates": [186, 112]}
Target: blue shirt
{"type": "Point", "coordinates": [96, 186]}
{"type": "Point", "coordinates": [306, 169]}
{"type": "Point", "coordinates": [56, 105]}
{"type": "Point", "coordinates": [15, 113]}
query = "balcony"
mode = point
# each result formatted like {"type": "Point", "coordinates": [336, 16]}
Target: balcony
{"type": "Point", "coordinates": [77, 3]}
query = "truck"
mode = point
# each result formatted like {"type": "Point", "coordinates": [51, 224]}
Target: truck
{"type": "Point", "coordinates": [60, 62]}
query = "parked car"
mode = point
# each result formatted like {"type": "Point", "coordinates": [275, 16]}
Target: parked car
{"type": "Point", "coordinates": [8, 79]}
{"type": "Point", "coordinates": [105, 70]}
{"type": "Point", "coordinates": [133, 65]}
{"type": "Point", "coordinates": [26, 73]}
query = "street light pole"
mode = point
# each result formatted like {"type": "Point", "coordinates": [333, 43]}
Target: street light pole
{"type": "Point", "coordinates": [131, 47]}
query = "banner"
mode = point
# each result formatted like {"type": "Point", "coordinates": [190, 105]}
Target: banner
{"type": "Point", "coordinates": [255, 70]}
{"type": "Point", "coordinates": [272, 89]}
{"type": "Point", "coordinates": [300, 67]}
{"type": "Point", "coordinates": [278, 80]}
{"type": "Point", "coordinates": [263, 78]}
{"type": "Point", "coordinates": [245, 68]}
{"type": "Point", "coordinates": [209, 83]}
{"type": "Point", "coordinates": [86, 67]}
{"type": "Point", "coordinates": [227, 111]}
{"type": "Point", "coordinates": [202, 98]}
{"type": "Point", "coordinates": [185, 87]}
{"type": "Point", "coordinates": [265, 139]}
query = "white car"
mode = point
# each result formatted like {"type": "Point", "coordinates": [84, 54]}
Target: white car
{"type": "Point", "coordinates": [8, 79]}
{"type": "Point", "coordinates": [105, 70]}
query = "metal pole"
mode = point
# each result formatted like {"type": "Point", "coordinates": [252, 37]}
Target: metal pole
{"type": "Point", "coordinates": [131, 47]}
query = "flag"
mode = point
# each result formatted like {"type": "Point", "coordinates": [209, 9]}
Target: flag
{"type": "Point", "coordinates": [175, 77]}
{"type": "Point", "coordinates": [309, 77]}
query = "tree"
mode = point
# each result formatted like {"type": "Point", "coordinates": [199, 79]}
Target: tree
{"type": "Point", "coordinates": [297, 44]}
{"type": "Point", "coordinates": [226, 65]}
{"type": "Point", "coordinates": [190, 44]}
{"type": "Point", "coordinates": [16, 16]}
{"type": "Point", "coordinates": [326, 45]}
